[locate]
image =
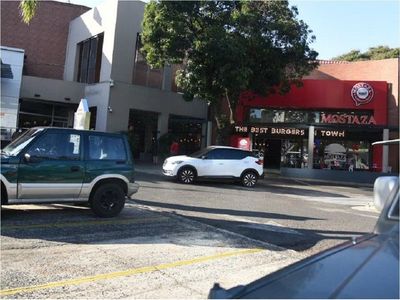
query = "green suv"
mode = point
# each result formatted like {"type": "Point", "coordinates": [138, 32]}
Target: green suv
{"type": "Point", "coordinates": [57, 165]}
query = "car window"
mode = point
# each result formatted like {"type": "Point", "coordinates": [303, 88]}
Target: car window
{"type": "Point", "coordinates": [56, 146]}
{"type": "Point", "coordinates": [215, 154]}
{"type": "Point", "coordinates": [106, 148]}
{"type": "Point", "coordinates": [228, 154]}
{"type": "Point", "coordinates": [238, 154]}
{"type": "Point", "coordinates": [200, 153]}
{"type": "Point", "coordinates": [15, 147]}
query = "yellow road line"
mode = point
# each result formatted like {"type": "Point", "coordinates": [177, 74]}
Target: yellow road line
{"type": "Point", "coordinates": [85, 223]}
{"type": "Point", "coordinates": [129, 272]}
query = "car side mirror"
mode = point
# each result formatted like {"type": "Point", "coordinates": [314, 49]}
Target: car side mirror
{"type": "Point", "coordinates": [203, 157]}
{"type": "Point", "coordinates": [383, 187]}
{"type": "Point", "coordinates": [27, 158]}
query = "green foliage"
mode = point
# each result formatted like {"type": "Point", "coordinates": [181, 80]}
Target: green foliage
{"type": "Point", "coordinates": [28, 9]}
{"type": "Point", "coordinates": [373, 53]}
{"type": "Point", "coordinates": [227, 47]}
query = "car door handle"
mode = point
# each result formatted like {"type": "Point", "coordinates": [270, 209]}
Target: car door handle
{"type": "Point", "coordinates": [221, 164]}
{"type": "Point", "coordinates": [75, 168]}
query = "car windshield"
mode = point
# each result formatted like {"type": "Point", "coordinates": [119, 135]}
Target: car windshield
{"type": "Point", "coordinates": [15, 147]}
{"type": "Point", "coordinates": [200, 153]}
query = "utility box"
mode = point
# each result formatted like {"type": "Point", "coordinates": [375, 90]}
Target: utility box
{"type": "Point", "coordinates": [82, 116]}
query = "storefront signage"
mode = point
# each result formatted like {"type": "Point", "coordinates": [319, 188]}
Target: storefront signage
{"type": "Point", "coordinates": [270, 130]}
{"type": "Point", "coordinates": [331, 133]}
{"type": "Point", "coordinates": [347, 119]}
{"type": "Point", "coordinates": [362, 93]}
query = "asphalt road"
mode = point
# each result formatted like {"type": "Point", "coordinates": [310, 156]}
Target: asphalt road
{"type": "Point", "coordinates": [293, 214]}
{"type": "Point", "coordinates": [173, 240]}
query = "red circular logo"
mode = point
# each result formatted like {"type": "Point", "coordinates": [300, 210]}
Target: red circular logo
{"type": "Point", "coordinates": [362, 93]}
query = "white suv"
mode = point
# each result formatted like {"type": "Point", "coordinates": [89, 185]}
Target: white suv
{"type": "Point", "coordinates": [216, 162]}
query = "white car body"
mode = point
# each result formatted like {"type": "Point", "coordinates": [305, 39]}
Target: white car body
{"type": "Point", "coordinates": [221, 167]}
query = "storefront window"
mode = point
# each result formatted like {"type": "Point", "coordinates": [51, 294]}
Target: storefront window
{"type": "Point", "coordinates": [342, 155]}
{"type": "Point", "coordinates": [36, 113]}
{"type": "Point", "coordinates": [295, 116]}
{"type": "Point", "coordinates": [188, 133]}
{"type": "Point", "coordinates": [267, 116]}
{"type": "Point", "coordinates": [294, 154]}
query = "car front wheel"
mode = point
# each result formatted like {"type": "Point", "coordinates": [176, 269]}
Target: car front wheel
{"type": "Point", "coordinates": [249, 179]}
{"type": "Point", "coordinates": [186, 175]}
{"type": "Point", "coordinates": [108, 200]}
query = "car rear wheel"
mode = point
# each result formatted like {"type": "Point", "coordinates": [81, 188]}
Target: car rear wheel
{"type": "Point", "coordinates": [249, 179]}
{"type": "Point", "coordinates": [108, 200]}
{"type": "Point", "coordinates": [186, 175]}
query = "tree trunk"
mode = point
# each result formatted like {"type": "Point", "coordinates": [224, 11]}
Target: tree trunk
{"type": "Point", "coordinates": [225, 120]}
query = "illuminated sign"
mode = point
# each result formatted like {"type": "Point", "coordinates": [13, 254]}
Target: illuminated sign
{"type": "Point", "coordinates": [270, 130]}
{"type": "Point", "coordinates": [331, 133]}
{"type": "Point", "coordinates": [362, 93]}
{"type": "Point", "coordinates": [347, 119]}
{"type": "Point", "coordinates": [241, 129]}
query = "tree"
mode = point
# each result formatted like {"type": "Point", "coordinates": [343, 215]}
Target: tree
{"type": "Point", "coordinates": [373, 53]}
{"type": "Point", "coordinates": [227, 47]}
{"type": "Point", "coordinates": [28, 9]}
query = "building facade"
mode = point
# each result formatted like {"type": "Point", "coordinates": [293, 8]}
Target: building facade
{"type": "Point", "coordinates": [103, 65]}
{"type": "Point", "coordinates": [329, 123]}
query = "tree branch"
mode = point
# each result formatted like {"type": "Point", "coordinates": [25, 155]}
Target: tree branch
{"type": "Point", "coordinates": [231, 118]}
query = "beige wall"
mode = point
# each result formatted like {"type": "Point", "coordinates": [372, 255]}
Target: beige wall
{"type": "Point", "coordinates": [124, 97]}
{"type": "Point", "coordinates": [129, 19]}
{"type": "Point", "coordinates": [98, 95]}
{"type": "Point", "coordinates": [121, 21]}
{"type": "Point", "coordinates": [97, 20]}
{"type": "Point", "coordinates": [52, 89]}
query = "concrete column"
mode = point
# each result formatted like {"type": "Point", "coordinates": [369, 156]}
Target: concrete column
{"type": "Point", "coordinates": [162, 124]}
{"type": "Point", "coordinates": [310, 160]}
{"type": "Point", "coordinates": [209, 133]}
{"type": "Point", "coordinates": [385, 152]}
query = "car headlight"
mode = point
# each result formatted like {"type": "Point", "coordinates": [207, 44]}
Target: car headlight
{"type": "Point", "coordinates": [177, 162]}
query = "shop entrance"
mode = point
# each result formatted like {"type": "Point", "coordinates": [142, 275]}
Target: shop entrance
{"type": "Point", "coordinates": [272, 154]}
{"type": "Point", "coordinates": [143, 133]}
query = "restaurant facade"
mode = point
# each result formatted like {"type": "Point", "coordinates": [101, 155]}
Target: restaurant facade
{"type": "Point", "coordinates": [323, 125]}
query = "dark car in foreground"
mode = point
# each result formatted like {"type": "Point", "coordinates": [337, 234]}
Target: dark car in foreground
{"type": "Point", "coordinates": [60, 165]}
{"type": "Point", "coordinates": [366, 267]}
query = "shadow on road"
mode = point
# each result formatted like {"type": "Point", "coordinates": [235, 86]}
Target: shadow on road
{"type": "Point", "coordinates": [232, 212]}
{"type": "Point", "coordinates": [139, 225]}
{"type": "Point", "coordinates": [274, 186]}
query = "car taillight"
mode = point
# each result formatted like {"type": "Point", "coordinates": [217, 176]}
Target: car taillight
{"type": "Point", "coordinates": [259, 162]}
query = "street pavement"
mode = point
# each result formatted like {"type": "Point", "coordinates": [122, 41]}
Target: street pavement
{"type": "Point", "coordinates": [60, 251]}
{"type": "Point", "coordinates": [295, 214]}
{"type": "Point", "coordinates": [174, 240]}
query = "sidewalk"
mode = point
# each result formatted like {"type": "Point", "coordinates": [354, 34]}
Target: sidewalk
{"type": "Point", "coordinates": [148, 168]}
{"type": "Point", "coordinates": [156, 169]}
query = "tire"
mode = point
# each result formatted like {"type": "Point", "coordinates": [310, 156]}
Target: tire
{"type": "Point", "coordinates": [249, 179]}
{"type": "Point", "coordinates": [186, 175]}
{"type": "Point", "coordinates": [108, 200]}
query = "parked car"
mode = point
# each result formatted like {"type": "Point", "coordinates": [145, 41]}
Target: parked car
{"type": "Point", "coordinates": [216, 162]}
{"type": "Point", "coordinates": [366, 267]}
{"type": "Point", "coordinates": [57, 165]}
